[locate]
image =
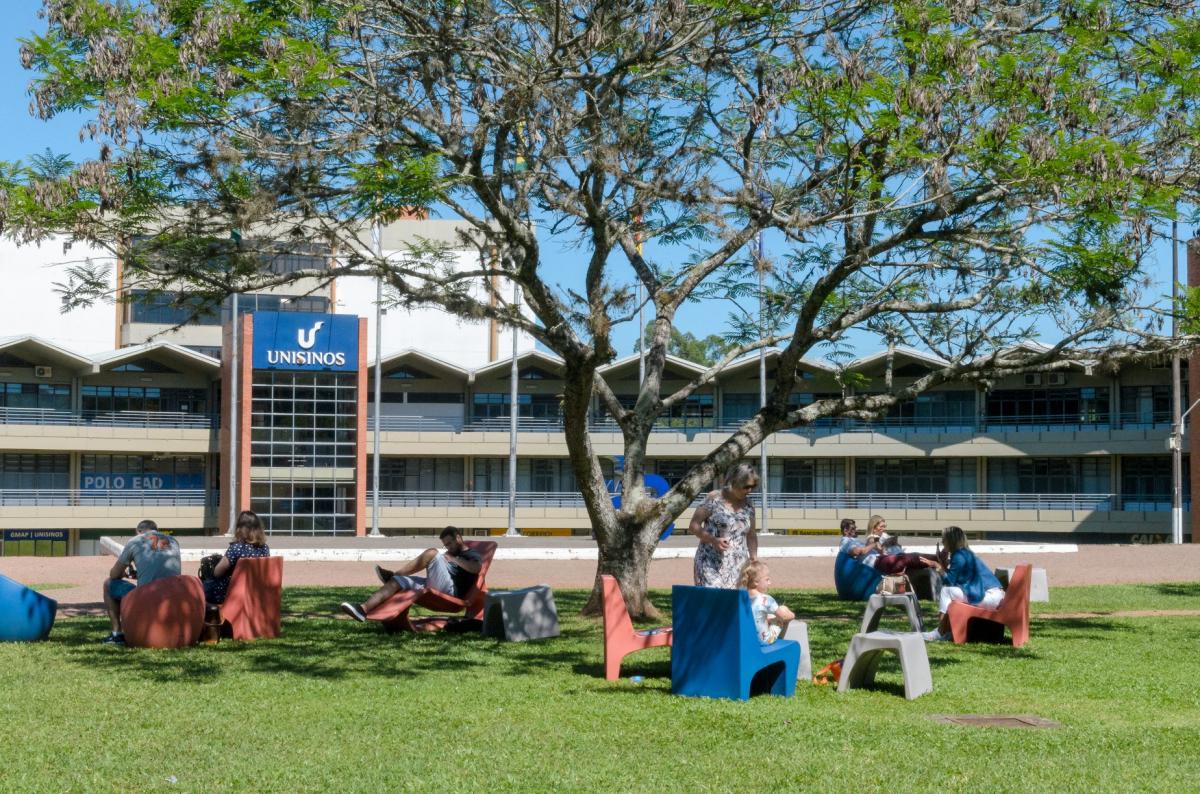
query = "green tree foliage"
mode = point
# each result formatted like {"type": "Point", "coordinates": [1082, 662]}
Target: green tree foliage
{"type": "Point", "coordinates": [686, 345]}
{"type": "Point", "coordinates": [951, 175]}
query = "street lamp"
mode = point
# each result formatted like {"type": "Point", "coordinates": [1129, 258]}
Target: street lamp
{"type": "Point", "coordinates": [1175, 444]}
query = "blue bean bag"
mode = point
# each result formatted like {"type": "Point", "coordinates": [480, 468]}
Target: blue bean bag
{"type": "Point", "coordinates": [25, 615]}
{"type": "Point", "coordinates": [853, 580]}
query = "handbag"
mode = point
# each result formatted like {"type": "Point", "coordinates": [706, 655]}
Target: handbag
{"type": "Point", "coordinates": [893, 584]}
{"type": "Point", "coordinates": [207, 564]}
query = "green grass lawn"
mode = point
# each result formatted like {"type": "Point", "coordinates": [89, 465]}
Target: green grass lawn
{"type": "Point", "coordinates": [339, 706]}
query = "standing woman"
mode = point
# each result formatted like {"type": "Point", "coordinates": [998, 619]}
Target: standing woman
{"type": "Point", "coordinates": [724, 523]}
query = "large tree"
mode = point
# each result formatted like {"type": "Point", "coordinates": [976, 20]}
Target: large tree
{"type": "Point", "coordinates": [954, 175]}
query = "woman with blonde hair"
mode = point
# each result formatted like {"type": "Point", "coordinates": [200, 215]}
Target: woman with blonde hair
{"type": "Point", "coordinates": [249, 540]}
{"type": "Point", "coordinates": [724, 524]}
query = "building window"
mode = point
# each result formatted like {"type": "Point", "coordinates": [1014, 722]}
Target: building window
{"type": "Point", "coordinates": [1146, 482]}
{"type": "Point", "coordinates": [935, 409]}
{"type": "Point", "coordinates": [1089, 475]}
{"type": "Point", "coordinates": [915, 475]}
{"type": "Point", "coordinates": [807, 475]}
{"type": "Point", "coordinates": [1085, 406]}
{"type": "Point", "coordinates": [419, 474]}
{"type": "Point", "coordinates": [111, 399]}
{"type": "Point", "coordinates": [1147, 405]}
{"type": "Point", "coordinates": [42, 396]}
{"type": "Point", "coordinates": [552, 475]}
{"type": "Point", "coordinates": [25, 471]}
{"type": "Point", "coordinates": [304, 507]}
{"type": "Point", "coordinates": [171, 308]}
{"type": "Point", "coordinates": [493, 405]}
{"type": "Point", "coordinates": [303, 420]}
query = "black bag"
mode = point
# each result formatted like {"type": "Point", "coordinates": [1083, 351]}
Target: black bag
{"type": "Point", "coordinates": [207, 565]}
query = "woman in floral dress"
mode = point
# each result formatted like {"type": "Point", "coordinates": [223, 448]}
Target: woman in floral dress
{"type": "Point", "coordinates": [724, 523]}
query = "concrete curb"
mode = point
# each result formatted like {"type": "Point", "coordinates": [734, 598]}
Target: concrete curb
{"type": "Point", "coordinates": [590, 552]}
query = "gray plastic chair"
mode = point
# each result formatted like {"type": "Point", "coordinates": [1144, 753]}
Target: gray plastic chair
{"type": "Point", "coordinates": [878, 602]}
{"type": "Point", "coordinates": [866, 650]}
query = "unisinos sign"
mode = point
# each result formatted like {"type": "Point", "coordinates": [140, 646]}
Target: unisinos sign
{"type": "Point", "coordinates": [303, 341]}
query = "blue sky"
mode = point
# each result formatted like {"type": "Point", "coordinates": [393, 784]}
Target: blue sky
{"type": "Point", "coordinates": [22, 135]}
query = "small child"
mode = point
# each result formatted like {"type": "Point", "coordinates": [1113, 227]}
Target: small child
{"type": "Point", "coordinates": [770, 618]}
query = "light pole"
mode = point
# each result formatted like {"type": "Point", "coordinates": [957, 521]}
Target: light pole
{"type": "Point", "coordinates": [377, 239]}
{"type": "Point", "coordinates": [233, 422]}
{"type": "Point", "coordinates": [1175, 443]}
{"type": "Point", "coordinates": [763, 479]}
{"type": "Point", "coordinates": [512, 425]}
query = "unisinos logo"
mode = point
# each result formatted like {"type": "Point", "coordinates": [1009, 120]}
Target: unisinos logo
{"type": "Point", "coordinates": [307, 339]}
{"type": "Point", "coordinates": [301, 341]}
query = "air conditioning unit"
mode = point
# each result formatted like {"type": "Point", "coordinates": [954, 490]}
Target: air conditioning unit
{"type": "Point", "coordinates": [43, 372]}
{"type": "Point", "coordinates": [1056, 379]}
{"type": "Point", "coordinates": [1033, 379]}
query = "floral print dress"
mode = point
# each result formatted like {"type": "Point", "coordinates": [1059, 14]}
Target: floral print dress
{"type": "Point", "coordinates": [714, 568]}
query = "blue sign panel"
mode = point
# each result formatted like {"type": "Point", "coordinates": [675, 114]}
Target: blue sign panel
{"type": "Point", "coordinates": [13, 535]}
{"type": "Point", "coordinates": [137, 481]}
{"type": "Point", "coordinates": [304, 341]}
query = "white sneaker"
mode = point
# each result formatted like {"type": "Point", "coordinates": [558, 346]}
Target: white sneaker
{"type": "Point", "coordinates": [934, 636]}
{"type": "Point", "coordinates": [353, 611]}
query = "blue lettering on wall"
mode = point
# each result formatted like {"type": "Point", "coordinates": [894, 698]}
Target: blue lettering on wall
{"type": "Point", "coordinates": [137, 481]}
{"type": "Point", "coordinates": [304, 341]}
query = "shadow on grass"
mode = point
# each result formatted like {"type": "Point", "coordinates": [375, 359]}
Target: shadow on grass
{"type": "Point", "coordinates": [1177, 589]}
{"type": "Point", "coordinates": [1077, 628]}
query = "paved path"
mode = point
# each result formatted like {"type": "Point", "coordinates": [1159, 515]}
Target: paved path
{"type": "Point", "coordinates": [1088, 565]}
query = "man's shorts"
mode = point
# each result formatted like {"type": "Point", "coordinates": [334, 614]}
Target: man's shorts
{"type": "Point", "coordinates": [437, 578]}
{"type": "Point", "coordinates": [119, 588]}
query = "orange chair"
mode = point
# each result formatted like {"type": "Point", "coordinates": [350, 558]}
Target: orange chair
{"type": "Point", "coordinates": [988, 624]}
{"type": "Point", "coordinates": [393, 613]}
{"type": "Point", "coordinates": [166, 613]}
{"type": "Point", "coordinates": [620, 638]}
{"type": "Point", "coordinates": [255, 598]}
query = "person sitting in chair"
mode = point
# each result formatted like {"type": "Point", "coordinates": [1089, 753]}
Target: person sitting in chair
{"type": "Point", "coordinates": [452, 571]}
{"type": "Point", "coordinates": [151, 555]}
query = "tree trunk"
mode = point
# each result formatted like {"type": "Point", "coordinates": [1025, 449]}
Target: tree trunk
{"type": "Point", "coordinates": [626, 556]}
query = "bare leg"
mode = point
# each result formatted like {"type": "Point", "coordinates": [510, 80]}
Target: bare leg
{"type": "Point", "coordinates": [113, 606]}
{"type": "Point", "coordinates": [417, 565]}
{"type": "Point", "coordinates": [381, 595]}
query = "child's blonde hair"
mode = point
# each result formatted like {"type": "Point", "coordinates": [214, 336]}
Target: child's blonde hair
{"type": "Point", "coordinates": [953, 539]}
{"type": "Point", "coordinates": [752, 574]}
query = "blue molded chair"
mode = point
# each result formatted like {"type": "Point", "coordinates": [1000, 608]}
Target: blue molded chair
{"type": "Point", "coordinates": [25, 615]}
{"type": "Point", "coordinates": [853, 580]}
{"type": "Point", "coordinates": [716, 652]}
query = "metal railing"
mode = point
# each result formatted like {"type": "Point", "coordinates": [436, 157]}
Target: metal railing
{"type": "Point", "coordinates": [46, 416]}
{"type": "Point", "coordinates": [810, 501]}
{"type": "Point", "coordinates": [824, 426]}
{"type": "Point", "coordinates": [70, 497]}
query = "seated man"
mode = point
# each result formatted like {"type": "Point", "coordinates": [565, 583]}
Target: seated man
{"type": "Point", "coordinates": [452, 572]}
{"type": "Point", "coordinates": [153, 555]}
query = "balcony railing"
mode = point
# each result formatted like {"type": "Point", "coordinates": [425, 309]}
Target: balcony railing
{"type": "Point", "coordinates": [808, 501]}
{"type": "Point", "coordinates": [827, 426]}
{"type": "Point", "coordinates": [69, 497]}
{"type": "Point", "coordinates": [45, 416]}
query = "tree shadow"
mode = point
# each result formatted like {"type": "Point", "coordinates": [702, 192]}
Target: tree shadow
{"type": "Point", "coordinates": [1177, 589]}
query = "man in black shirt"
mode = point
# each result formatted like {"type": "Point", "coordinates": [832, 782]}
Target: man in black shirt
{"type": "Point", "coordinates": [452, 571]}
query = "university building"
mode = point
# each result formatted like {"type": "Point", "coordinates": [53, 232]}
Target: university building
{"type": "Point", "coordinates": [91, 444]}
{"type": "Point", "coordinates": [188, 424]}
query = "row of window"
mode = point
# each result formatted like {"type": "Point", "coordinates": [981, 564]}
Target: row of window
{"type": "Point", "coordinates": [1141, 477]}
{"type": "Point", "coordinates": [173, 308]}
{"type": "Point", "coordinates": [1138, 405]}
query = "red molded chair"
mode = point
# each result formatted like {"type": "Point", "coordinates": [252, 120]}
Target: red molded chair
{"type": "Point", "coordinates": [166, 613]}
{"type": "Point", "coordinates": [393, 613]}
{"type": "Point", "coordinates": [620, 638]}
{"type": "Point", "coordinates": [988, 624]}
{"type": "Point", "coordinates": [255, 598]}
